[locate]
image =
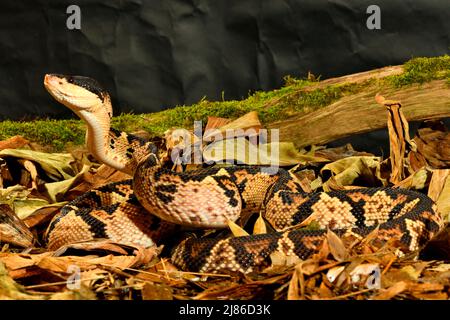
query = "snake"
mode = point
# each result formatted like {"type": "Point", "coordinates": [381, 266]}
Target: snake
{"type": "Point", "coordinates": [156, 200]}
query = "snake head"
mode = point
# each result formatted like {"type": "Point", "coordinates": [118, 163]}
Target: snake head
{"type": "Point", "coordinates": [76, 92]}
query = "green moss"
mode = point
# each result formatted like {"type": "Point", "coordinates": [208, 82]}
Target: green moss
{"type": "Point", "coordinates": [57, 134]}
{"type": "Point", "coordinates": [421, 70]}
{"type": "Point", "coordinates": [296, 97]}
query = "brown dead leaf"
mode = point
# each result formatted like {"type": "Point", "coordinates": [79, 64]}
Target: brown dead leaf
{"type": "Point", "coordinates": [237, 230]}
{"type": "Point", "coordinates": [439, 191]}
{"type": "Point", "coordinates": [345, 171]}
{"type": "Point", "coordinates": [41, 216]}
{"type": "Point", "coordinates": [14, 261]}
{"type": "Point", "coordinates": [337, 153]}
{"type": "Point", "coordinates": [392, 291]}
{"type": "Point", "coordinates": [281, 261]}
{"type": "Point", "coordinates": [152, 291]}
{"type": "Point", "coordinates": [336, 246]}
{"type": "Point", "coordinates": [10, 290]}
{"type": "Point", "coordinates": [13, 143]}
{"type": "Point", "coordinates": [103, 175]}
{"type": "Point", "coordinates": [417, 180]}
{"type": "Point", "coordinates": [165, 272]}
{"type": "Point", "coordinates": [216, 123]}
{"type": "Point", "coordinates": [260, 226]}
{"type": "Point", "coordinates": [296, 289]}
{"type": "Point", "coordinates": [136, 255]}
{"type": "Point", "coordinates": [399, 140]}
{"type": "Point", "coordinates": [248, 125]}
{"type": "Point", "coordinates": [433, 146]}
{"type": "Point", "coordinates": [100, 245]}
{"type": "Point", "coordinates": [13, 230]}
{"type": "Point", "coordinates": [430, 296]}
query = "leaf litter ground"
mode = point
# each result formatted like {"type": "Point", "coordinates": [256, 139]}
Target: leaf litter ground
{"type": "Point", "coordinates": [34, 186]}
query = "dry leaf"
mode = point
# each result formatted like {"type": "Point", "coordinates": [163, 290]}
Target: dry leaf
{"type": "Point", "coordinates": [243, 151]}
{"type": "Point", "coordinates": [104, 175]}
{"type": "Point", "coordinates": [334, 154]}
{"type": "Point", "coordinates": [13, 230]}
{"type": "Point", "coordinates": [13, 143]}
{"type": "Point", "coordinates": [152, 291]}
{"type": "Point", "coordinates": [334, 273]}
{"type": "Point", "coordinates": [417, 180]}
{"type": "Point", "coordinates": [56, 190]}
{"type": "Point", "coordinates": [347, 170]}
{"type": "Point", "coordinates": [237, 230]}
{"type": "Point", "coordinates": [399, 140]}
{"type": "Point", "coordinates": [336, 246]}
{"type": "Point", "coordinates": [390, 293]}
{"type": "Point", "coordinates": [57, 166]}
{"type": "Point", "coordinates": [10, 290]}
{"type": "Point", "coordinates": [280, 260]}
{"type": "Point", "coordinates": [42, 215]}
{"type": "Point", "coordinates": [433, 146]}
{"type": "Point", "coordinates": [246, 126]}
{"type": "Point", "coordinates": [439, 191]}
{"type": "Point", "coordinates": [215, 123]}
{"type": "Point", "coordinates": [260, 226]}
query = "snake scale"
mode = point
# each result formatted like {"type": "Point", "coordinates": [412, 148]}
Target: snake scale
{"type": "Point", "coordinates": [143, 209]}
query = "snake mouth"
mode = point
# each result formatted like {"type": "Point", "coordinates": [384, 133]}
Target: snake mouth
{"type": "Point", "coordinates": [76, 92]}
{"type": "Point", "coordinates": [56, 85]}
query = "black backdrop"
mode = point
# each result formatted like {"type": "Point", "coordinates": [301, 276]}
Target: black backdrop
{"type": "Point", "coordinates": [156, 54]}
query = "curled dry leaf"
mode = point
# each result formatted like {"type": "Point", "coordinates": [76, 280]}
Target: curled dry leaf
{"type": "Point", "coordinates": [260, 226]}
{"type": "Point", "coordinates": [243, 151]}
{"type": "Point", "coordinates": [153, 291]}
{"type": "Point", "coordinates": [334, 273]}
{"type": "Point", "coordinates": [13, 143]}
{"type": "Point", "coordinates": [439, 191]}
{"type": "Point", "coordinates": [282, 261]}
{"type": "Point", "coordinates": [13, 230]}
{"type": "Point", "coordinates": [334, 154]}
{"type": "Point", "coordinates": [347, 170]}
{"type": "Point", "coordinates": [399, 140]}
{"type": "Point", "coordinates": [140, 254]}
{"type": "Point", "coordinates": [417, 180]}
{"type": "Point", "coordinates": [216, 123]}
{"type": "Point", "coordinates": [336, 246]}
{"type": "Point", "coordinates": [103, 175]}
{"type": "Point", "coordinates": [246, 126]}
{"type": "Point", "coordinates": [57, 166]}
{"type": "Point", "coordinates": [237, 230]}
{"type": "Point", "coordinates": [433, 146]}
{"type": "Point", "coordinates": [392, 291]}
{"type": "Point", "coordinates": [361, 273]}
{"type": "Point", "coordinates": [57, 190]}
{"type": "Point", "coordinates": [10, 290]}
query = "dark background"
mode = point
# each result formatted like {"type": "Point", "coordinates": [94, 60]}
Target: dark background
{"type": "Point", "coordinates": [151, 55]}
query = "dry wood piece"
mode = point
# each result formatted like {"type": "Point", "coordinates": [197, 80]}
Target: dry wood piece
{"type": "Point", "coordinates": [359, 113]}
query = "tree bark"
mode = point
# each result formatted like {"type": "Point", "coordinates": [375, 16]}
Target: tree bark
{"type": "Point", "coordinates": [359, 113]}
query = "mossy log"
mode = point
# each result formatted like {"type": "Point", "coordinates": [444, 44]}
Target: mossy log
{"type": "Point", "coordinates": [359, 113]}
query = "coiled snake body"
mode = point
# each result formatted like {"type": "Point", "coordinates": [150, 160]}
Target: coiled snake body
{"type": "Point", "coordinates": [208, 198]}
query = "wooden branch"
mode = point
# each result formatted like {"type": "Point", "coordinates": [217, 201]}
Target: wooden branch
{"type": "Point", "coordinates": [359, 113]}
